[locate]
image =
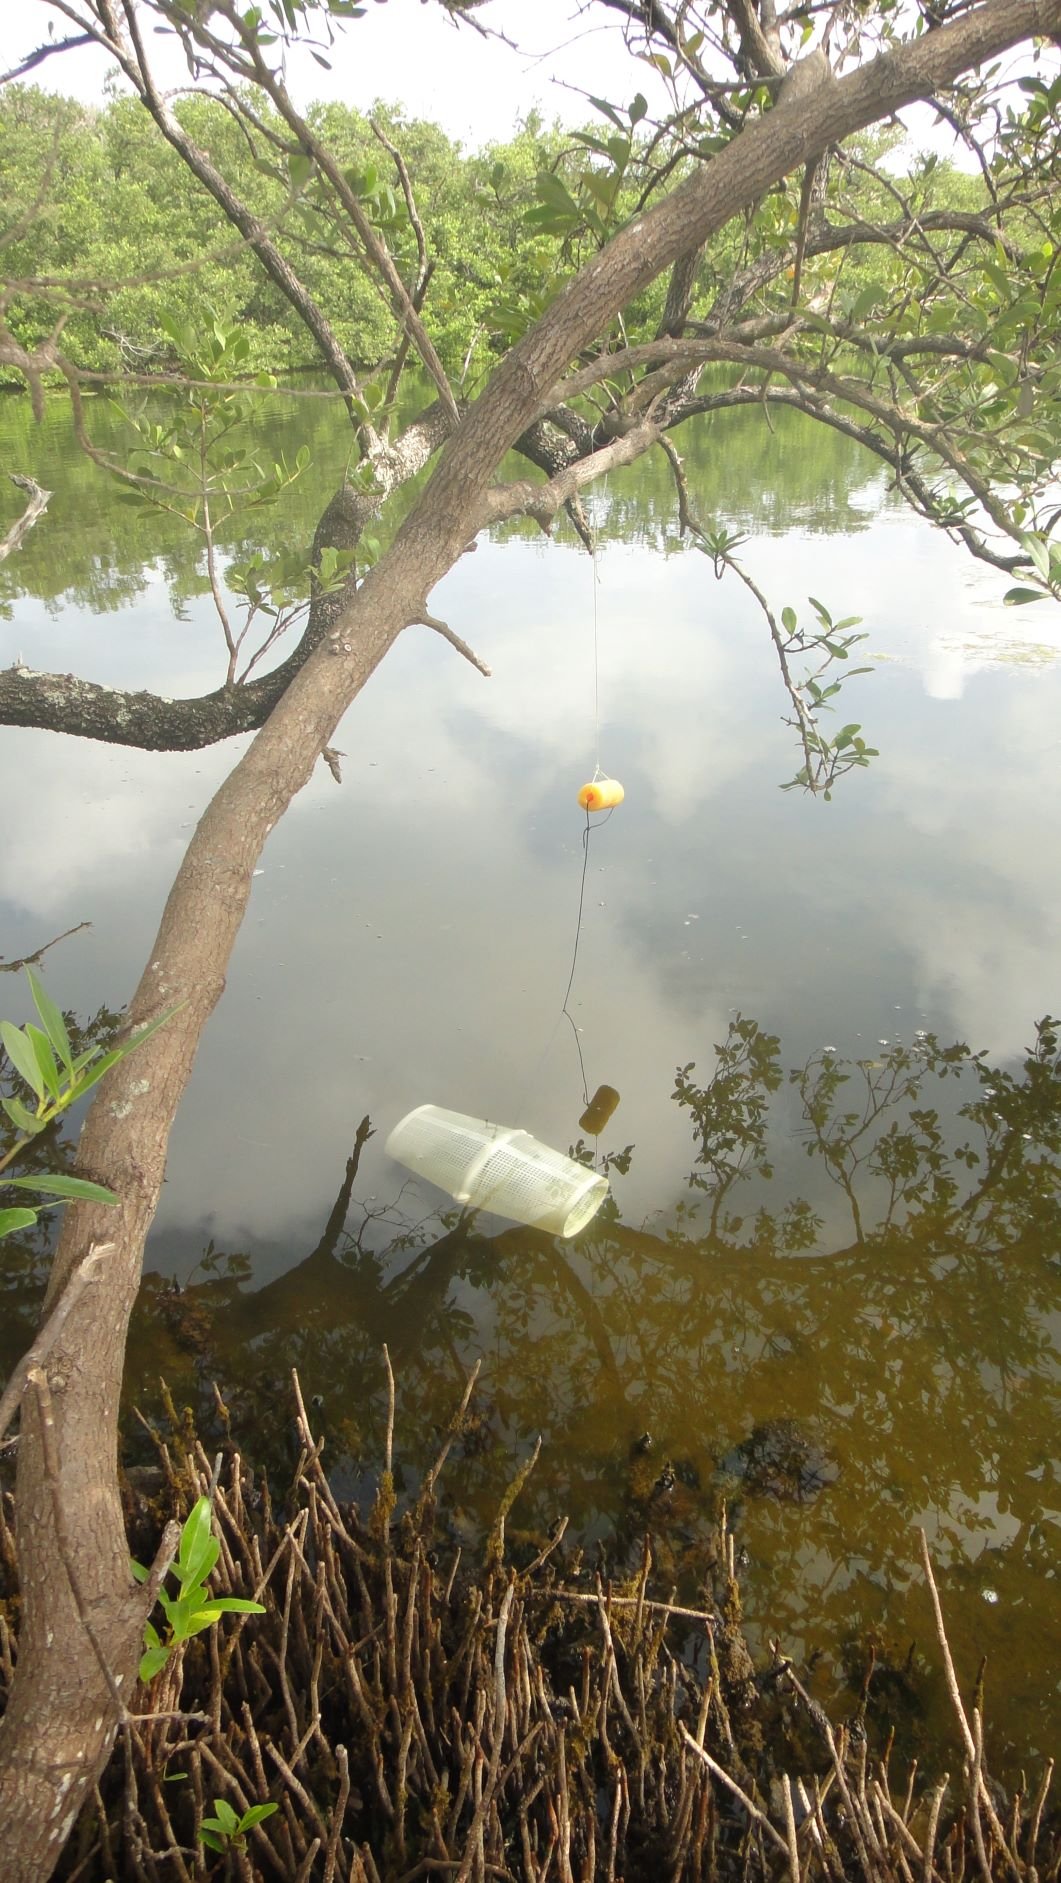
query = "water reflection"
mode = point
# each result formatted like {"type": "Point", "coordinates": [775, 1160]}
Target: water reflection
{"type": "Point", "coordinates": [841, 1343]}
{"type": "Point", "coordinates": [875, 1351]}
{"type": "Point", "coordinates": [100, 554]}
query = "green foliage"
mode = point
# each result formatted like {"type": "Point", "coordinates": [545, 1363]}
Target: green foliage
{"type": "Point", "coordinates": [120, 209]}
{"type": "Point", "coordinates": [1046, 564]}
{"type": "Point", "coordinates": [193, 1608]}
{"type": "Point", "coordinates": [197, 462]}
{"type": "Point", "coordinates": [194, 457]}
{"type": "Point", "coordinates": [595, 202]}
{"type": "Point", "coordinates": [225, 1828]}
{"type": "Point", "coordinates": [825, 760]}
{"type": "Point", "coordinates": [55, 1076]}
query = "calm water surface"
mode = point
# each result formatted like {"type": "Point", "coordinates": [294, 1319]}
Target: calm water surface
{"type": "Point", "coordinates": [827, 1289]}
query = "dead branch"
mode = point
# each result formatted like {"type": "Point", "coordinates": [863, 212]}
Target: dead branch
{"type": "Point", "coordinates": [31, 960]}
{"type": "Point", "coordinates": [431, 621]}
{"type": "Point", "coordinates": [35, 508]}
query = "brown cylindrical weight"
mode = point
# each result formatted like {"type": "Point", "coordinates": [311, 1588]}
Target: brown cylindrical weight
{"type": "Point", "coordinates": [599, 1110]}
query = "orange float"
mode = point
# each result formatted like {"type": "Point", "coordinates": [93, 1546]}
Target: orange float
{"type": "Point", "coordinates": [601, 794]}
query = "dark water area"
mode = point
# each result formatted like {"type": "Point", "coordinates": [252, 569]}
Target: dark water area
{"type": "Point", "coordinates": [825, 1285]}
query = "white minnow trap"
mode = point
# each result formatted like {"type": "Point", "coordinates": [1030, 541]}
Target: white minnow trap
{"type": "Point", "coordinates": [498, 1168]}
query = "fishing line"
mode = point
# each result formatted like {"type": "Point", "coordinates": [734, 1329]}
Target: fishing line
{"type": "Point", "coordinates": [564, 1009]}
{"type": "Point", "coordinates": [596, 666]}
{"type": "Point", "coordinates": [601, 794]}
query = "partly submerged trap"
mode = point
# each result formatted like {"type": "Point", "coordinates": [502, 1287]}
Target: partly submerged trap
{"type": "Point", "coordinates": [499, 1168]}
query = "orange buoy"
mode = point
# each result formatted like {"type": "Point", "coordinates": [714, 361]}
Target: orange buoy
{"type": "Point", "coordinates": [601, 794]}
{"type": "Point", "coordinates": [599, 1110]}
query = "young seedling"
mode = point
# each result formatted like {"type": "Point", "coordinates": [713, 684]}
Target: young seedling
{"type": "Point", "coordinates": [225, 1829]}
{"type": "Point", "coordinates": [193, 1608]}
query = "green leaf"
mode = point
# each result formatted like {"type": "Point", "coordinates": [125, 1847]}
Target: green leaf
{"type": "Point", "coordinates": [553, 194]}
{"type": "Point", "coordinates": [638, 108]}
{"type": "Point", "coordinates": [187, 1623]}
{"type": "Point", "coordinates": [22, 1056]}
{"type": "Point", "coordinates": [209, 1836]}
{"type": "Point", "coordinates": [256, 1815]}
{"type": "Point", "coordinates": [997, 277]}
{"type": "Point", "coordinates": [1039, 554]}
{"type": "Point", "coordinates": [1016, 597]}
{"type": "Point", "coordinates": [140, 1574]}
{"type": "Point", "coordinates": [152, 1662]}
{"type": "Point", "coordinates": [51, 1020]}
{"type": "Point", "coordinates": [871, 296]}
{"type": "Point", "coordinates": [226, 1817]}
{"type": "Point", "coordinates": [22, 1119]}
{"type": "Point", "coordinates": [233, 1605]}
{"type": "Point", "coordinates": [42, 1047]}
{"type": "Point", "coordinates": [77, 1189]}
{"type": "Point", "coordinates": [196, 1539]}
{"type": "Point", "coordinates": [94, 1073]}
{"type": "Point", "coordinates": [173, 330]}
{"type": "Point", "coordinates": [10, 1220]}
{"type": "Point", "coordinates": [601, 104]}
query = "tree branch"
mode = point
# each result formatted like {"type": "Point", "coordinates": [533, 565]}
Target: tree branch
{"type": "Point", "coordinates": [542, 501]}
{"type": "Point", "coordinates": [134, 64]}
{"type": "Point", "coordinates": [37, 505]}
{"type": "Point", "coordinates": [83, 709]}
{"type": "Point", "coordinates": [431, 621]}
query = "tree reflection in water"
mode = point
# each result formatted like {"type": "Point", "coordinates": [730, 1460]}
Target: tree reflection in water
{"type": "Point", "coordinates": [840, 1366]}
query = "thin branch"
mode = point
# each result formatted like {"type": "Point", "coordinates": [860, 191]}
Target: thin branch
{"type": "Point", "coordinates": [542, 501]}
{"type": "Point", "coordinates": [718, 1772]}
{"type": "Point", "coordinates": [431, 621]}
{"type": "Point", "coordinates": [33, 59]}
{"type": "Point", "coordinates": [31, 960]}
{"type": "Point", "coordinates": [31, 515]}
{"type": "Point", "coordinates": [974, 1750]}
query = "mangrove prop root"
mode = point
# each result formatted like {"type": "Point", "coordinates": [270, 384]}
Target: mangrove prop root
{"type": "Point", "coordinates": [412, 1715]}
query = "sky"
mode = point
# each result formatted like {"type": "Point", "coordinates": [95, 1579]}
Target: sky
{"type": "Point", "coordinates": [477, 89]}
{"type": "Point", "coordinates": [410, 52]}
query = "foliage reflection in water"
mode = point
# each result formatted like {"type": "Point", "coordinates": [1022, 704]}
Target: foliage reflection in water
{"type": "Point", "coordinates": [838, 1377]}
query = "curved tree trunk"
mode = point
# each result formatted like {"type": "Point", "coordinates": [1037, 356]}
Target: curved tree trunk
{"type": "Point", "coordinates": [61, 1718]}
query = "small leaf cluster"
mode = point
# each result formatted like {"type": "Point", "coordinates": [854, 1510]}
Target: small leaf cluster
{"type": "Point", "coordinates": [826, 759]}
{"type": "Point", "coordinates": [592, 203]}
{"type": "Point", "coordinates": [193, 1608]}
{"type": "Point", "coordinates": [197, 460]}
{"type": "Point", "coordinates": [226, 1828]}
{"type": "Point", "coordinates": [1046, 561]}
{"type": "Point", "coordinates": [45, 1061]}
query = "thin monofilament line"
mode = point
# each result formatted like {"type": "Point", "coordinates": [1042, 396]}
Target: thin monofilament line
{"type": "Point", "coordinates": [565, 1010]}
{"type": "Point", "coordinates": [596, 663]}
